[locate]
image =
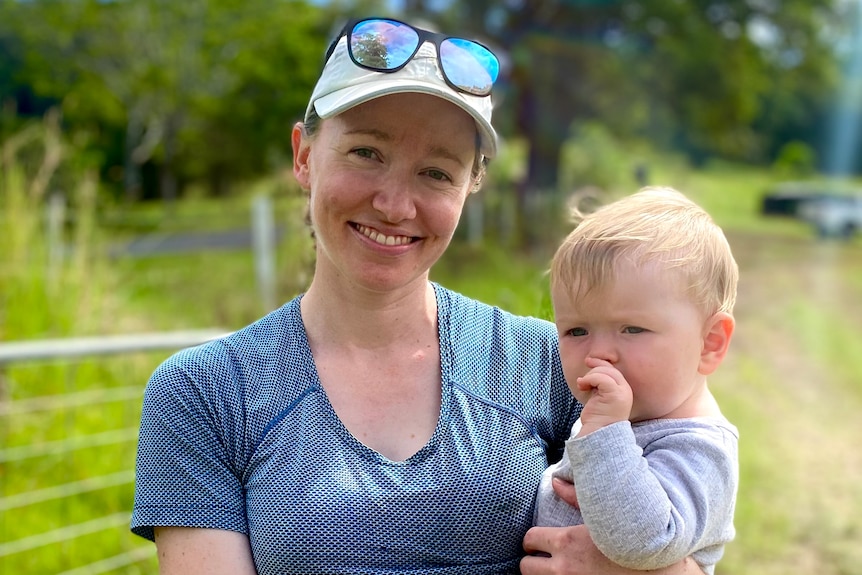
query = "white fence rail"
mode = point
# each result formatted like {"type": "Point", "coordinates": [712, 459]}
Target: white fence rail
{"type": "Point", "coordinates": [52, 349]}
{"type": "Point", "coordinates": [75, 349]}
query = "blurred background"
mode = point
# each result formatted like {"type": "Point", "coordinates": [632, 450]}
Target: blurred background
{"type": "Point", "coordinates": [147, 203]}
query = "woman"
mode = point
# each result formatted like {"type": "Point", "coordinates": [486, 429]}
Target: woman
{"type": "Point", "coordinates": [378, 423]}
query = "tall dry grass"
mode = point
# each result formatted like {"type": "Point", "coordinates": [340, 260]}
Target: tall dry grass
{"type": "Point", "coordinates": [50, 286]}
{"type": "Point", "coordinates": [55, 283]}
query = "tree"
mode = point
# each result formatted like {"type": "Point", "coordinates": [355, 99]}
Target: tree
{"type": "Point", "coordinates": [372, 51]}
{"type": "Point", "coordinates": [201, 88]}
{"type": "Point", "coordinates": [17, 99]}
{"type": "Point", "coordinates": [693, 74]}
{"type": "Point", "coordinates": [712, 69]}
{"type": "Point", "coordinates": [208, 89]}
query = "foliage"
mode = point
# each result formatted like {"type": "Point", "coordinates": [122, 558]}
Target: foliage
{"type": "Point", "coordinates": [231, 297]}
{"type": "Point", "coordinates": [795, 160]}
{"type": "Point", "coordinates": [690, 76]}
{"type": "Point", "coordinates": [206, 89]}
{"type": "Point", "coordinates": [166, 96]}
{"type": "Point", "coordinates": [593, 157]}
{"type": "Point", "coordinates": [38, 271]}
{"type": "Point", "coordinates": [53, 285]}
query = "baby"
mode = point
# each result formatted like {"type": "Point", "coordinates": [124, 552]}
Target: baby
{"type": "Point", "coordinates": [643, 292]}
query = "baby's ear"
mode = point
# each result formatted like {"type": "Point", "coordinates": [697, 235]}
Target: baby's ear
{"type": "Point", "coordinates": [718, 330]}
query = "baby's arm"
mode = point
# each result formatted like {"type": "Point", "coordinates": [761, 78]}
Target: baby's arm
{"type": "Point", "coordinates": [611, 399]}
{"type": "Point", "coordinates": [647, 509]}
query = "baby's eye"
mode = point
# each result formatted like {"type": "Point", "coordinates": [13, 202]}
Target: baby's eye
{"type": "Point", "coordinates": [577, 332]}
{"type": "Point", "coordinates": [633, 329]}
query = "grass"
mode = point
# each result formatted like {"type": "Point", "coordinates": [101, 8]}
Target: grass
{"type": "Point", "coordinates": [790, 383]}
{"type": "Point", "coordinates": [44, 296]}
{"type": "Point", "coordinates": [516, 283]}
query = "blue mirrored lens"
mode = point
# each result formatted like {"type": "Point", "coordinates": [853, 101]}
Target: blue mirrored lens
{"type": "Point", "coordinates": [469, 66]}
{"type": "Point", "coordinates": [383, 44]}
{"type": "Point", "coordinates": [387, 45]}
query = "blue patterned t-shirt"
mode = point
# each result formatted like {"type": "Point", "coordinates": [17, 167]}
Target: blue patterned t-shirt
{"type": "Point", "coordinates": [238, 434]}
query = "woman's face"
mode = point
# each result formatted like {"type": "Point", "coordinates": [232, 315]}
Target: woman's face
{"type": "Point", "coordinates": [387, 181]}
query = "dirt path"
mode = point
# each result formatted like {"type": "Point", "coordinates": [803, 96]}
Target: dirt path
{"type": "Point", "coordinates": [799, 401]}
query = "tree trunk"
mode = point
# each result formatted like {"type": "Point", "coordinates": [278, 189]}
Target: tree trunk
{"type": "Point", "coordinates": [168, 177]}
{"type": "Point", "coordinates": [131, 168]}
{"type": "Point", "coordinates": [538, 192]}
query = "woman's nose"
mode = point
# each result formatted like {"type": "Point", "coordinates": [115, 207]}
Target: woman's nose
{"type": "Point", "coordinates": [394, 199]}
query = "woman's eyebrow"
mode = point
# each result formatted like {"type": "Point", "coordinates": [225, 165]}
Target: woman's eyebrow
{"type": "Point", "coordinates": [373, 132]}
{"type": "Point", "coordinates": [442, 152]}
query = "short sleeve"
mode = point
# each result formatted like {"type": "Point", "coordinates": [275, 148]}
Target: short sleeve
{"type": "Point", "coordinates": [186, 473]}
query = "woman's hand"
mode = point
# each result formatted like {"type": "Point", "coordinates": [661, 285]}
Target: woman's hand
{"type": "Point", "coordinates": [570, 550]}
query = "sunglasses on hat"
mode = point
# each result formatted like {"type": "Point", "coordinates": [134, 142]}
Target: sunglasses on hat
{"type": "Point", "coordinates": [387, 45]}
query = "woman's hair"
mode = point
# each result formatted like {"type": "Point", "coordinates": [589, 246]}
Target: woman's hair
{"type": "Point", "coordinates": [656, 224]}
{"type": "Point", "coordinates": [480, 162]}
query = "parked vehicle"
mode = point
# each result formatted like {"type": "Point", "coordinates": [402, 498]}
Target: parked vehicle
{"type": "Point", "coordinates": [832, 213]}
{"type": "Point", "coordinates": [833, 216]}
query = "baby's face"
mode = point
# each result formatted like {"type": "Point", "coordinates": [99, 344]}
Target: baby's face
{"type": "Point", "coordinates": [645, 325]}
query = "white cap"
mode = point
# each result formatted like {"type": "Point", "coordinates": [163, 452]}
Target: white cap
{"type": "Point", "coordinates": [343, 85]}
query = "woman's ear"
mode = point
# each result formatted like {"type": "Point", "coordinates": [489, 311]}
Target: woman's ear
{"type": "Point", "coordinates": [301, 149]}
{"type": "Point", "coordinates": [718, 331]}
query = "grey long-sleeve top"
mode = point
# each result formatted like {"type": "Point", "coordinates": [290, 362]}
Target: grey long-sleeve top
{"type": "Point", "coordinates": [650, 493]}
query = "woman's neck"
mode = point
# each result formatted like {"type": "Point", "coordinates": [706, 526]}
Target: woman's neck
{"type": "Point", "coordinates": [356, 317]}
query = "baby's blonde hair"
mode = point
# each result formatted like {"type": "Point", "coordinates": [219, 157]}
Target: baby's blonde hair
{"type": "Point", "coordinates": [656, 224]}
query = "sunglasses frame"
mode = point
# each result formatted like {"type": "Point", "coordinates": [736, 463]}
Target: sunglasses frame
{"type": "Point", "coordinates": [436, 38]}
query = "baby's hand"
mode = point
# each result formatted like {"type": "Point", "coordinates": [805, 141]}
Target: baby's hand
{"type": "Point", "coordinates": [611, 398]}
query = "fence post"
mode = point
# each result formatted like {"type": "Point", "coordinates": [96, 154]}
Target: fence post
{"type": "Point", "coordinates": [263, 240]}
{"type": "Point", "coordinates": [56, 219]}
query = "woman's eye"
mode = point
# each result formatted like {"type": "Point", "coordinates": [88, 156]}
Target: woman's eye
{"type": "Point", "coordinates": [438, 175]}
{"type": "Point", "coordinates": [364, 152]}
{"type": "Point", "coordinates": [577, 332]}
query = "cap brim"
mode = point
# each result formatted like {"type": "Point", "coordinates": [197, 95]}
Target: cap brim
{"type": "Point", "coordinates": [341, 100]}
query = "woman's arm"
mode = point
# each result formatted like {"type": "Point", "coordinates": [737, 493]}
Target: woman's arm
{"type": "Point", "coordinates": [570, 550]}
{"type": "Point", "coordinates": [573, 552]}
{"type": "Point", "coordinates": [192, 551]}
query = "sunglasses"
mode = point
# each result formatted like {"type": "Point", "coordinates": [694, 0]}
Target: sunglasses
{"type": "Point", "coordinates": [386, 45]}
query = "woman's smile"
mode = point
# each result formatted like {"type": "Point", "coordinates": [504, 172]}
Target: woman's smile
{"type": "Point", "coordinates": [383, 239]}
